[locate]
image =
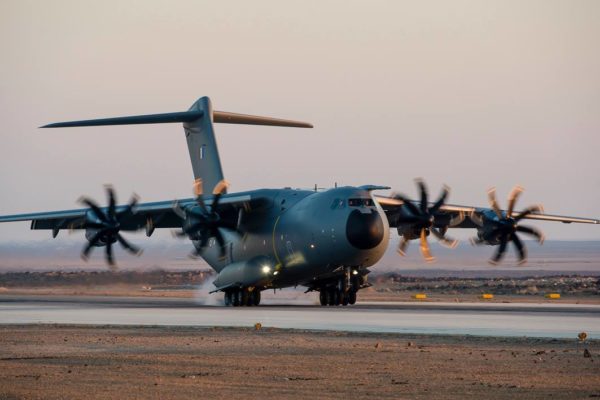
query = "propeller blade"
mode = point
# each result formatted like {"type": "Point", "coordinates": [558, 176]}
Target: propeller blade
{"type": "Point", "coordinates": [423, 189]}
{"type": "Point", "coordinates": [112, 202]}
{"type": "Point", "coordinates": [501, 250]}
{"type": "Point", "coordinates": [240, 217]}
{"type": "Point", "coordinates": [446, 241]}
{"type": "Point", "coordinates": [537, 208]}
{"type": "Point", "coordinates": [408, 203]}
{"type": "Point", "coordinates": [128, 246]}
{"type": "Point", "coordinates": [109, 254]}
{"type": "Point", "coordinates": [512, 199]}
{"type": "Point", "coordinates": [204, 240]}
{"type": "Point", "coordinates": [198, 187]}
{"type": "Point", "coordinates": [425, 247]}
{"type": "Point", "coordinates": [402, 246]}
{"type": "Point", "coordinates": [219, 238]}
{"type": "Point", "coordinates": [178, 234]}
{"type": "Point", "coordinates": [475, 218]}
{"type": "Point", "coordinates": [95, 209]}
{"type": "Point", "coordinates": [493, 202]}
{"type": "Point", "coordinates": [520, 249]}
{"type": "Point", "coordinates": [529, 230]}
{"type": "Point", "coordinates": [457, 219]}
{"type": "Point", "coordinates": [441, 200]}
{"type": "Point", "coordinates": [476, 241]}
{"type": "Point", "coordinates": [221, 187]}
{"type": "Point", "coordinates": [91, 243]}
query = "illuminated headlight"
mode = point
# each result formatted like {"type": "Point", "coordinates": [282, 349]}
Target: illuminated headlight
{"type": "Point", "coordinates": [275, 273]}
{"type": "Point", "coordinates": [354, 272]}
{"type": "Point", "coordinates": [266, 269]}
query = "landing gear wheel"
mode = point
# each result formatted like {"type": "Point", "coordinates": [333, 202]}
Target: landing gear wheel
{"type": "Point", "coordinates": [330, 297]}
{"type": "Point", "coordinates": [352, 297]}
{"type": "Point", "coordinates": [227, 299]}
{"type": "Point", "coordinates": [337, 297]}
{"type": "Point", "coordinates": [245, 298]}
{"type": "Point", "coordinates": [345, 299]}
{"type": "Point", "coordinates": [255, 297]}
{"type": "Point", "coordinates": [237, 298]}
{"type": "Point", "coordinates": [323, 297]}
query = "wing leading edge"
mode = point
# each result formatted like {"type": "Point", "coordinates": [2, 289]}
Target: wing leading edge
{"type": "Point", "coordinates": [392, 205]}
{"type": "Point", "coordinates": [155, 214]}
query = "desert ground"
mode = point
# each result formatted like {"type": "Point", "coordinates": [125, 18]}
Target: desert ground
{"type": "Point", "coordinates": [58, 362]}
{"type": "Point", "coordinates": [130, 362]}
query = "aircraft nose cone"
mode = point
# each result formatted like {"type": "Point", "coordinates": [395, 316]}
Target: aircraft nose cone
{"type": "Point", "coordinates": [364, 231]}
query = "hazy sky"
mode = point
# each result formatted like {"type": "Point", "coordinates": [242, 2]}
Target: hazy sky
{"type": "Point", "coordinates": [468, 93]}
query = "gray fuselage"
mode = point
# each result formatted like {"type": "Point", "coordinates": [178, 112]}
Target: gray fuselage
{"type": "Point", "coordinates": [297, 236]}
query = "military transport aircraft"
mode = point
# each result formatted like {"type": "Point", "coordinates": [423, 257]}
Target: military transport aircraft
{"type": "Point", "coordinates": [324, 240]}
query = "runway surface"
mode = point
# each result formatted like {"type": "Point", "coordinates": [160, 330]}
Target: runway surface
{"type": "Point", "coordinates": [486, 319]}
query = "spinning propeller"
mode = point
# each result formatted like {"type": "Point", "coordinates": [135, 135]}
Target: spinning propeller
{"type": "Point", "coordinates": [103, 226]}
{"type": "Point", "coordinates": [502, 227]}
{"type": "Point", "coordinates": [199, 223]}
{"type": "Point", "coordinates": [425, 219]}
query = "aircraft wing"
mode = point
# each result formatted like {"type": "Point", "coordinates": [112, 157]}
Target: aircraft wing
{"type": "Point", "coordinates": [394, 210]}
{"type": "Point", "coordinates": [147, 215]}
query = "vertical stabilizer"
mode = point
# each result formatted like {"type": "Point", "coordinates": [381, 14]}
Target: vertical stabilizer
{"type": "Point", "coordinates": [202, 145]}
{"type": "Point", "coordinates": [199, 132]}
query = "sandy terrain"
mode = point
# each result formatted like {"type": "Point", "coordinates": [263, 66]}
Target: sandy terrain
{"type": "Point", "coordinates": [52, 362]}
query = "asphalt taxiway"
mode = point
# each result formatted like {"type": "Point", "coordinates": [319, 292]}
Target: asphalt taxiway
{"type": "Point", "coordinates": [485, 319]}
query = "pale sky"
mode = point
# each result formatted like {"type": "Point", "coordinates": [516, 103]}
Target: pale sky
{"type": "Point", "coordinates": [469, 93]}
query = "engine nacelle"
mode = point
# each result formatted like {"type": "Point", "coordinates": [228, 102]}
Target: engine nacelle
{"type": "Point", "coordinates": [104, 239]}
{"type": "Point", "coordinates": [410, 232]}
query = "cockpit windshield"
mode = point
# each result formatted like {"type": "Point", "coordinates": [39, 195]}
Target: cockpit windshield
{"type": "Point", "coordinates": [360, 202]}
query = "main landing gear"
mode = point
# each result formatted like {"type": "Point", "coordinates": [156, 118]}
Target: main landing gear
{"type": "Point", "coordinates": [342, 291]}
{"type": "Point", "coordinates": [242, 297]}
{"type": "Point", "coordinates": [332, 296]}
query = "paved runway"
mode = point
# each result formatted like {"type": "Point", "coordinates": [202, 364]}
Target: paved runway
{"type": "Point", "coordinates": [487, 319]}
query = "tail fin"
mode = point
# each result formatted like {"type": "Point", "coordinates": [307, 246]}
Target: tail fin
{"type": "Point", "coordinates": [199, 132]}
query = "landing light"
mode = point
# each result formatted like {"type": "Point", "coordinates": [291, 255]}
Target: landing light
{"type": "Point", "coordinates": [266, 269]}
{"type": "Point", "coordinates": [275, 273]}
{"type": "Point", "coordinates": [354, 272]}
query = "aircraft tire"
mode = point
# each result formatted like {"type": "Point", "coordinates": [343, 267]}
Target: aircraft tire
{"type": "Point", "coordinates": [352, 297]}
{"type": "Point", "coordinates": [336, 297]}
{"type": "Point", "coordinates": [256, 297]}
{"type": "Point", "coordinates": [227, 299]}
{"type": "Point", "coordinates": [245, 298]}
{"type": "Point", "coordinates": [323, 297]}
{"type": "Point", "coordinates": [330, 297]}
{"type": "Point", "coordinates": [345, 298]}
{"type": "Point", "coordinates": [236, 297]}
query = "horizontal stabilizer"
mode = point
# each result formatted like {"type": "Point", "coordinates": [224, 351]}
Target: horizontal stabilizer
{"type": "Point", "coordinates": [186, 116]}
{"type": "Point", "coordinates": [233, 118]}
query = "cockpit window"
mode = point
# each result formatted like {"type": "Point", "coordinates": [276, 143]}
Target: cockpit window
{"type": "Point", "coordinates": [337, 203]}
{"type": "Point", "coordinates": [360, 202]}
